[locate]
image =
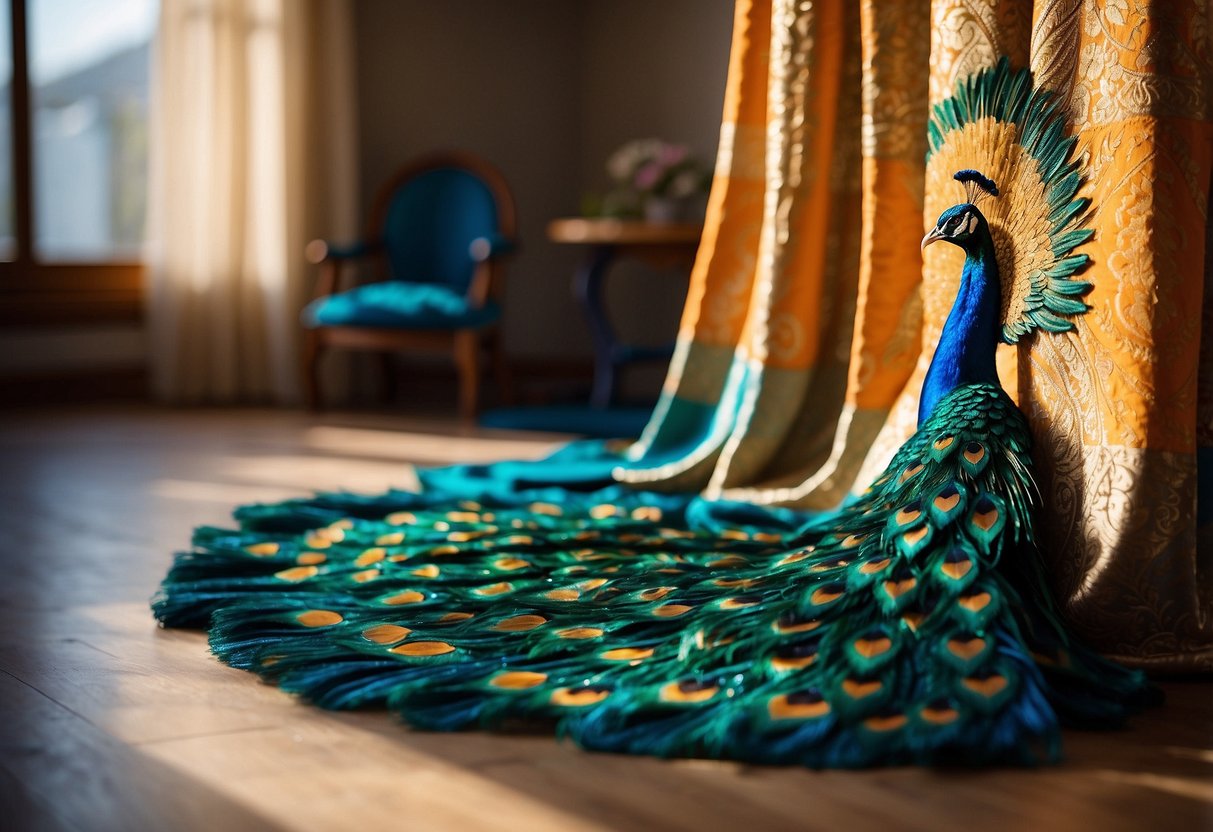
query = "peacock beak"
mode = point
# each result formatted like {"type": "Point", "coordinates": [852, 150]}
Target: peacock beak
{"type": "Point", "coordinates": [932, 235]}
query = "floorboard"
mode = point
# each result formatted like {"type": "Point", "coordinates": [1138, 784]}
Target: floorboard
{"type": "Point", "coordinates": [107, 722]}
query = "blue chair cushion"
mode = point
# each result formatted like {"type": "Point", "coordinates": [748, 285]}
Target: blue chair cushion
{"type": "Point", "coordinates": [397, 305]}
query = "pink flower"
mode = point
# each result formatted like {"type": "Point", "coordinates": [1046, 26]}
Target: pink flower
{"type": "Point", "coordinates": [671, 154]}
{"type": "Point", "coordinates": [648, 175]}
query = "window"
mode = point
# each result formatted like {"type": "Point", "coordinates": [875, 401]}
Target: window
{"type": "Point", "coordinates": [73, 122]}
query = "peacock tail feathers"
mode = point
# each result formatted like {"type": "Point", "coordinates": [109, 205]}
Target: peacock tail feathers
{"type": "Point", "coordinates": [1015, 132]}
{"type": "Point", "coordinates": [899, 629]}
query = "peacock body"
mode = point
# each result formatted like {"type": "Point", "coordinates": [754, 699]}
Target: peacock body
{"type": "Point", "coordinates": [912, 625]}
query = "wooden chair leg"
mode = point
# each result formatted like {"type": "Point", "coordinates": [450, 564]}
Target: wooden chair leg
{"type": "Point", "coordinates": [467, 361]}
{"type": "Point", "coordinates": [388, 377]}
{"type": "Point", "coordinates": [501, 368]}
{"type": "Point", "coordinates": [311, 369]}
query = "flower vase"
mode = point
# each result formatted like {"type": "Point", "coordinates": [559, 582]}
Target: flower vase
{"type": "Point", "coordinates": [662, 209]}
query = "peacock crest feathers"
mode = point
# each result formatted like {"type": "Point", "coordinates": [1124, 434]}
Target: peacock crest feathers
{"type": "Point", "coordinates": [1015, 133]}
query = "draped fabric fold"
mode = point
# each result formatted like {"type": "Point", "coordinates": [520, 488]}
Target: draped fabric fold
{"type": "Point", "coordinates": [812, 317]}
{"type": "Point", "coordinates": [253, 155]}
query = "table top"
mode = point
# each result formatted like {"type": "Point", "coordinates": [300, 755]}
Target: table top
{"type": "Point", "coordinates": [608, 231]}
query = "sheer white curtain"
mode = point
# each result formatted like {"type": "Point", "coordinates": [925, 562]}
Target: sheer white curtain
{"type": "Point", "coordinates": [253, 153]}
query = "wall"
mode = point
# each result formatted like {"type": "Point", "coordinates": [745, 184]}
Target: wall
{"type": "Point", "coordinates": [545, 89]}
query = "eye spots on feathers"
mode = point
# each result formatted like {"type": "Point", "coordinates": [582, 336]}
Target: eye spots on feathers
{"type": "Point", "coordinates": [874, 566]}
{"type": "Point", "coordinates": [562, 594]}
{"type": "Point", "coordinates": [580, 697]}
{"type": "Point", "coordinates": [897, 587]}
{"type": "Point", "coordinates": [860, 688]}
{"type": "Point", "coordinates": [885, 722]}
{"type": "Point", "coordinates": [409, 596]}
{"type": "Point", "coordinates": [741, 583]}
{"type": "Point", "coordinates": [740, 602]}
{"type": "Point", "coordinates": [423, 649]}
{"type": "Point", "coordinates": [319, 618]}
{"type": "Point", "coordinates": [946, 500]}
{"type": "Point", "coordinates": [975, 602]}
{"type": "Point", "coordinates": [627, 654]}
{"type": "Point", "coordinates": [956, 564]}
{"type": "Point", "coordinates": [827, 594]}
{"type": "Point", "coordinates": [909, 471]}
{"type": "Point", "coordinates": [974, 453]}
{"type": "Point", "coordinates": [519, 623]}
{"type": "Point", "coordinates": [794, 656]}
{"type": "Point", "coordinates": [966, 648]}
{"type": "Point", "coordinates": [262, 550]}
{"type": "Point", "coordinates": [518, 680]}
{"type": "Point", "coordinates": [297, 573]}
{"type": "Point", "coordinates": [792, 623]}
{"type": "Point", "coordinates": [985, 515]}
{"type": "Point", "coordinates": [688, 691]}
{"type": "Point", "coordinates": [908, 515]}
{"type": "Point", "coordinates": [804, 704]}
{"type": "Point", "coordinates": [987, 686]}
{"type": "Point", "coordinates": [386, 633]}
{"type": "Point", "coordinates": [795, 557]}
{"type": "Point", "coordinates": [369, 556]}
{"type": "Point", "coordinates": [655, 594]}
{"type": "Point", "coordinates": [579, 632]}
{"type": "Point", "coordinates": [871, 646]}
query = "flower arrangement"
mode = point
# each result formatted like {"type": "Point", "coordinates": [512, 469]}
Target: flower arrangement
{"type": "Point", "coordinates": [653, 178]}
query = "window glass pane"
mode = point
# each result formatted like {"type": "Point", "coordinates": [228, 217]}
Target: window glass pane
{"type": "Point", "coordinates": [89, 62]}
{"type": "Point", "coordinates": [8, 207]}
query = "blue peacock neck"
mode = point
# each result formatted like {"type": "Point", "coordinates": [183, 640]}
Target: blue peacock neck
{"type": "Point", "coordinates": [965, 354]}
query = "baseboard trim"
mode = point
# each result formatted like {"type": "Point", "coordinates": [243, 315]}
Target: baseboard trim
{"type": "Point", "coordinates": [75, 387]}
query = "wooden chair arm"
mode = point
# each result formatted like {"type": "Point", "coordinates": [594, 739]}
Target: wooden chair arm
{"type": "Point", "coordinates": [487, 253]}
{"type": "Point", "coordinates": [490, 247]}
{"type": "Point", "coordinates": [331, 257]}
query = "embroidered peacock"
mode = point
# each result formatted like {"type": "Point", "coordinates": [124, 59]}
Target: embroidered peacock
{"type": "Point", "coordinates": [912, 625]}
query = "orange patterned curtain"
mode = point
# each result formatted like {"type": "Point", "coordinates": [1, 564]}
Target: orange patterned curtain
{"type": "Point", "coordinates": [812, 317]}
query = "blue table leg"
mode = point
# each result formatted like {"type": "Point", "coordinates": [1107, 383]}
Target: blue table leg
{"type": "Point", "coordinates": [588, 287]}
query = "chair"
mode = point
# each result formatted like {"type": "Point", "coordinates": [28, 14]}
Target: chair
{"type": "Point", "coordinates": [438, 230]}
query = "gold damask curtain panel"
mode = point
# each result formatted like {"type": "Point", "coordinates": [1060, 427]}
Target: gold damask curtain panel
{"type": "Point", "coordinates": [812, 316]}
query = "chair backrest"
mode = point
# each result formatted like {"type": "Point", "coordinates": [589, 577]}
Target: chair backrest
{"type": "Point", "coordinates": [429, 213]}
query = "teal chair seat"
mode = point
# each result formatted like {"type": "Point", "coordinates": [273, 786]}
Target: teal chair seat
{"type": "Point", "coordinates": [395, 304]}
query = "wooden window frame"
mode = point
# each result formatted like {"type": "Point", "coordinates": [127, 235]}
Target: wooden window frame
{"type": "Point", "coordinates": [38, 293]}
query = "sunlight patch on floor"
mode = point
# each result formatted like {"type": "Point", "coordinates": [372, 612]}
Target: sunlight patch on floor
{"type": "Point", "coordinates": [423, 448]}
{"type": "Point", "coordinates": [1180, 786]}
{"type": "Point", "coordinates": [319, 473]}
{"type": "Point", "coordinates": [222, 493]}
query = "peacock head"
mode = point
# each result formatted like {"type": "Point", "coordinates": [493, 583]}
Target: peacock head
{"type": "Point", "coordinates": [964, 224]}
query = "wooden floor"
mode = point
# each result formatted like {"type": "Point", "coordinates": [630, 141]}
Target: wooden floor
{"type": "Point", "coordinates": [108, 723]}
